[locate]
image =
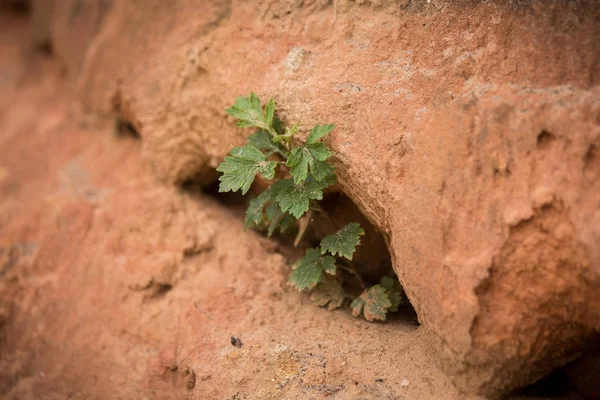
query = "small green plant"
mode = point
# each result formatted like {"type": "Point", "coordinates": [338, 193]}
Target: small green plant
{"type": "Point", "coordinates": [299, 173]}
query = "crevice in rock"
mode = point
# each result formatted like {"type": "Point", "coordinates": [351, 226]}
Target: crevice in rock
{"type": "Point", "coordinates": [372, 257]}
{"type": "Point", "coordinates": [591, 166]}
{"type": "Point", "coordinates": [21, 7]}
{"type": "Point", "coordinates": [228, 199]}
{"type": "Point", "coordinates": [45, 48]}
{"type": "Point", "coordinates": [576, 380]}
{"type": "Point", "coordinates": [553, 386]}
{"type": "Point", "coordinates": [125, 129]}
{"type": "Point", "coordinates": [124, 126]}
{"type": "Point", "coordinates": [153, 289]}
{"type": "Point", "coordinates": [545, 139]}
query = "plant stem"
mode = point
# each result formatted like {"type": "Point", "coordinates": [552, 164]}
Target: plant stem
{"type": "Point", "coordinates": [350, 269]}
{"type": "Point", "coordinates": [317, 207]}
{"type": "Point", "coordinates": [303, 227]}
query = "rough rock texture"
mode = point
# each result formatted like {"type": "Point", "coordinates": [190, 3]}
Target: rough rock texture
{"type": "Point", "coordinates": [468, 133]}
{"type": "Point", "coordinates": [114, 286]}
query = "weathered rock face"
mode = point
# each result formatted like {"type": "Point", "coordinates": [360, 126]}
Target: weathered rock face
{"type": "Point", "coordinates": [115, 286]}
{"type": "Point", "coordinates": [468, 133]}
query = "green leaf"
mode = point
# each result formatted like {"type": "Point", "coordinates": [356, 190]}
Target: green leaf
{"type": "Point", "coordinates": [323, 172]}
{"type": "Point", "coordinates": [394, 291]}
{"type": "Point", "coordinates": [274, 216]}
{"type": "Point", "coordinates": [295, 197]}
{"type": "Point", "coordinates": [273, 211]}
{"type": "Point", "coordinates": [373, 303]}
{"type": "Point", "coordinates": [298, 165]}
{"type": "Point", "coordinates": [318, 132]}
{"type": "Point", "coordinates": [270, 112]}
{"type": "Point", "coordinates": [255, 213]}
{"type": "Point", "coordinates": [249, 112]}
{"type": "Point", "coordinates": [278, 219]}
{"type": "Point", "coordinates": [313, 155]}
{"type": "Point", "coordinates": [357, 306]}
{"type": "Point", "coordinates": [289, 133]}
{"type": "Point", "coordinates": [240, 169]}
{"type": "Point", "coordinates": [277, 125]}
{"type": "Point", "coordinates": [344, 241]}
{"type": "Point", "coordinates": [261, 139]}
{"type": "Point", "coordinates": [282, 221]}
{"type": "Point", "coordinates": [255, 210]}
{"type": "Point", "coordinates": [388, 282]}
{"type": "Point", "coordinates": [396, 299]}
{"type": "Point", "coordinates": [329, 293]}
{"type": "Point", "coordinates": [309, 269]}
{"type": "Point", "coordinates": [286, 221]}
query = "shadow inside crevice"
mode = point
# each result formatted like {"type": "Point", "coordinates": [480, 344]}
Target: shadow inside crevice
{"type": "Point", "coordinates": [577, 380]}
{"type": "Point", "coordinates": [372, 257]}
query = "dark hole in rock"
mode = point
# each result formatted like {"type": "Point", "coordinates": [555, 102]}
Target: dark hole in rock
{"type": "Point", "coordinates": [553, 386]}
{"type": "Point", "coordinates": [16, 6]}
{"type": "Point", "coordinates": [545, 139]}
{"type": "Point", "coordinates": [233, 200]}
{"type": "Point", "coordinates": [592, 154]}
{"type": "Point", "coordinates": [125, 129]}
{"type": "Point", "coordinates": [161, 289]}
{"type": "Point", "coordinates": [45, 47]}
{"type": "Point", "coordinates": [591, 166]}
{"type": "Point", "coordinates": [577, 380]}
{"type": "Point", "coordinates": [372, 258]}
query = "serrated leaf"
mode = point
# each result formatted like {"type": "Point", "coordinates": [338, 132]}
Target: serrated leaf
{"type": "Point", "coordinates": [329, 293]}
{"type": "Point", "coordinates": [396, 299]}
{"type": "Point", "coordinates": [273, 211]}
{"type": "Point", "coordinates": [270, 112]}
{"type": "Point", "coordinates": [291, 131]}
{"type": "Point", "coordinates": [277, 125]}
{"type": "Point", "coordinates": [286, 222]}
{"type": "Point", "coordinates": [323, 172]}
{"type": "Point", "coordinates": [357, 306]}
{"type": "Point", "coordinates": [274, 218]}
{"type": "Point", "coordinates": [249, 112]}
{"type": "Point", "coordinates": [318, 132]}
{"type": "Point", "coordinates": [313, 155]}
{"type": "Point", "coordinates": [388, 282]}
{"type": "Point", "coordinates": [277, 219]}
{"type": "Point", "coordinates": [309, 269]}
{"type": "Point", "coordinates": [287, 134]}
{"type": "Point", "coordinates": [394, 291]}
{"type": "Point", "coordinates": [298, 165]}
{"type": "Point", "coordinates": [255, 210]}
{"type": "Point", "coordinates": [240, 169]}
{"type": "Point", "coordinates": [295, 197]}
{"type": "Point", "coordinates": [344, 241]}
{"type": "Point", "coordinates": [283, 222]}
{"type": "Point", "coordinates": [373, 303]}
{"type": "Point", "coordinates": [261, 139]}
{"type": "Point", "coordinates": [254, 213]}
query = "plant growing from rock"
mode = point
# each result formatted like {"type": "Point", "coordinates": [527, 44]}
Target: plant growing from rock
{"type": "Point", "coordinates": [299, 173]}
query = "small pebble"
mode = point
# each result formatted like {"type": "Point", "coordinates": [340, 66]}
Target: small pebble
{"type": "Point", "coordinates": [236, 342]}
{"type": "Point", "coordinates": [404, 383]}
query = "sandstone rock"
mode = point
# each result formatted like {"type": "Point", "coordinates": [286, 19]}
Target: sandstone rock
{"type": "Point", "coordinates": [467, 133]}
{"type": "Point", "coordinates": [113, 285]}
